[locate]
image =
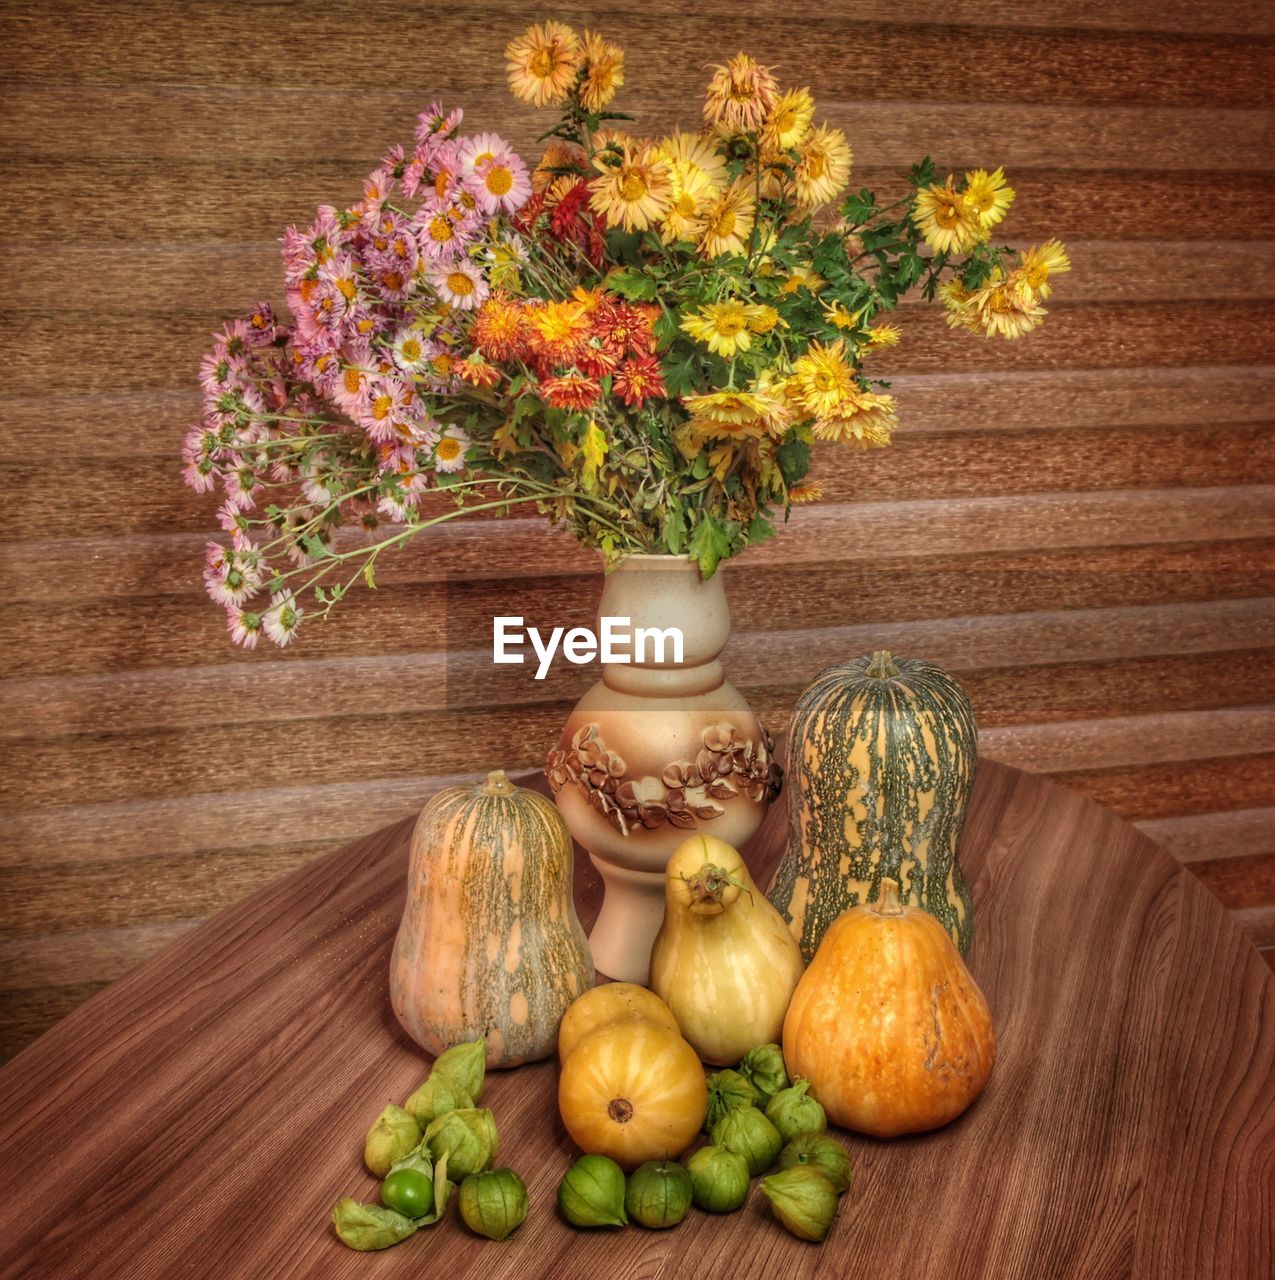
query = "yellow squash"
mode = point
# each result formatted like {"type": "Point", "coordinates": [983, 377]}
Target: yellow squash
{"type": "Point", "coordinates": [634, 1091]}
{"type": "Point", "coordinates": [608, 1003]}
{"type": "Point", "coordinates": [724, 961]}
{"type": "Point", "coordinates": [887, 1024]}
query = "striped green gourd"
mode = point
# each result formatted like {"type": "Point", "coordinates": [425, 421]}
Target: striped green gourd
{"type": "Point", "coordinates": [881, 757]}
{"type": "Point", "coordinates": [489, 945]}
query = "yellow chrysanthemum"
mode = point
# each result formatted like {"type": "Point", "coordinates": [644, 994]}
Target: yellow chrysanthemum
{"type": "Point", "coordinates": [604, 71]}
{"type": "Point", "coordinates": [947, 220]}
{"type": "Point", "coordinates": [803, 278]}
{"type": "Point", "coordinates": [822, 380]}
{"type": "Point", "coordinates": [735, 414]}
{"type": "Point", "coordinates": [542, 63]}
{"type": "Point", "coordinates": [823, 168]}
{"type": "Point", "coordinates": [867, 419]}
{"type": "Point", "coordinates": [988, 195]}
{"type": "Point", "coordinates": [790, 120]}
{"type": "Point", "coordinates": [557, 156]}
{"type": "Point", "coordinates": [698, 175]}
{"type": "Point", "coordinates": [1037, 264]}
{"type": "Point", "coordinates": [728, 221]}
{"type": "Point", "coordinates": [740, 95]}
{"type": "Point", "coordinates": [884, 335]}
{"type": "Point", "coordinates": [763, 318]}
{"type": "Point", "coordinates": [721, 326]}
{"type": "Point", "coordinates": [1005, 308]}
{"type": "Point", "coordinates": [809, 491]}
{"type": "Point", "coordinates": [956, 299]}
{"type": "Point", "coordinates": [636, 192]}
{"type": "Point", "coordinates": [840, 316]}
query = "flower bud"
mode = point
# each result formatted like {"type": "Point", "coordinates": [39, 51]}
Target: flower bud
{"type": "Point", "coordinates": [822, 1152]}
{"type": "Point", "coordinates": [592, 1193]}
{"type": "Point", "coordinates": [748, 1133]}
{"type": "Point", "coordinates": [659, 1194]}
{"type": "Point", "coordinates": [437, 1096]}
{"type": "Point", "coordinates": [803, 1200]}
{"type": "Point", "coordinates": [793, 1112]}
{"type": "Point", "coordinates": [466, 1066]}
{"type": "Point", "coordinates": [763, 1068]}
{"type": "Point", "coordinates": [369, 1226]}
{"type": "Point", "coordinates": [493, 1204]}
{"type": "Point", "coordinates": [719, 1179]}
{"type": "Point", "coordinates": [467, 1137]}
{"type": "Point", "coordinates": [390, 1138]}
{"type": "Point", "coordinates": [726, 1091]}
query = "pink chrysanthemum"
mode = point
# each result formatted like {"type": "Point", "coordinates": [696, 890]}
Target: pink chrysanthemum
{"type": "Point", "coordinates": [500, 184]}
{"type": "Point", "coordinates": [450, 451]}
{"type": "Point", "coordinates": [281, 620]}
{"type": "Point", "coordinates": [437, 122]}
{"type": "Point", "coordinates": [244, 626]}
{"type": "Point", "coordinates": [460, 284]}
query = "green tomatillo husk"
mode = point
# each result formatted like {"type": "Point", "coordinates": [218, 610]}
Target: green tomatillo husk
{"type": "Point", "coordinates": [748, 1133]}
{"type": "Point", "coordinates": [820, 1151]}
{"type": "Point", "coordinates": [390, 1138]}
{"type": "Point", "coordinates": [466, 1066]}
{"type": "Point", "coordinates": [792, 1111]}
{"type": "Point", "coordinates": [592, 1193]}
{"type": "Point", "coordinates": [493, 1204]}
{"type": "Point", "coordinates": [803, 1200]}
{"type": "Point", "coordinates": [436, 1097]}
{"type": "Point", "coordinates": [727, 1090]}
{"type": "Point", "coordinates": [719, 1179]}
{"type": "Point", "coordinates": [764, 1069]}
{"type": "Point", "coordinates": [467, 1137]}
{"type": "Point", "coordinates": [658, 1194]}
{"type": "Point", "coordinates": [370, 1226]}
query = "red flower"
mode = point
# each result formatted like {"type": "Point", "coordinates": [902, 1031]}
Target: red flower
{"type": "Point", "coordinates": [570, 392]}
{"type": "Point", "coordinates": [639, 379]}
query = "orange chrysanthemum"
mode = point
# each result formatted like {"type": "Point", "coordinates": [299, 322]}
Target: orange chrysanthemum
{"type": "Point", "coordinates": [570, 391]}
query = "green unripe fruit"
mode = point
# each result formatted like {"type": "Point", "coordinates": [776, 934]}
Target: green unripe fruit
{"type": "Point", "coordinates": [748, 1133]}
{"type": "Point", "coordinates": [821, 1152]}
{"type": "Point", "coordinates": [493, 1204]}
{"type": "Point", "coordinates": [763, 1068]}
{"type": "Point", "coordinates": [727, 1090]}
{"type": "Point", "coordinates": [592, 1193]}
{"type": "Point", "coordinates": [803, 1200]}
{"type": "Point", "coordinates": [792, 1111]}
{"type": "Point", "coordinates": [409, 1192]}
{"type": "Point", "coordinates": [658, 1194]}
{"type": "Point", "coordinates": [719, 1179]}
{"type": "Point", "coordinates": [467, 1136]}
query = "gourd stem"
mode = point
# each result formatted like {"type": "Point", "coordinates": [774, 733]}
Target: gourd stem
{"type": "Point", "coordinates": [882, 666]}
{"type": "Point", "coordinates": [888, 901]}
{"type": "Point", "coordinates": [498, 784]}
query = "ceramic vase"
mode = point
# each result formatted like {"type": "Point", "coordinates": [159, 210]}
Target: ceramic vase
{"type": "Point", "coordinates": [659, 748]}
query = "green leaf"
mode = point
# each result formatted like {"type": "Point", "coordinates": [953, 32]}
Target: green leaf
{"type": "Point", "coordinates": [710, 544]}
{"type": "Point", "coordinates": [369, 574]}
{"type": "Point", "coordinates": [793, 457]}
{"type": "Point", "coordinates": [633, 285]}
{"type": "Point", "coordinates": [673, 531]}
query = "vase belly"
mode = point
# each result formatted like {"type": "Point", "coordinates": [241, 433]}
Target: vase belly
{"type": "Point", "coordinates": [655, 751]}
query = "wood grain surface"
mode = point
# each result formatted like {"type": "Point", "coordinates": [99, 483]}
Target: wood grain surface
{"type": "Point", "coordinates": [1081, 524]}
{"type": "Point", "coordinates": [203, 1115]}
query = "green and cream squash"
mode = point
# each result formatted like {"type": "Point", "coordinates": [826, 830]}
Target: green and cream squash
{"type": "Point", "coordinates": [881, 757]}
{"type": "Point", "coordinates": [489, 945]}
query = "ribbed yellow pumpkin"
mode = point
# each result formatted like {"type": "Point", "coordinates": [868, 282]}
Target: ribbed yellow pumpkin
{"type": "Point", "coordinates": [489, 945]}
{"type": "Point", "coordinates": [610, 1002]}
{"type": "Point", "coordinates": [633, 1090]}
{"type": "Point", "coordinates": [881, 759]}
{"type": "Point", "coordinates": [887, 1024]}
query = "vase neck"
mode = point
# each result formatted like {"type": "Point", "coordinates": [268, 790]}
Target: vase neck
{"type": "Point", "coordinates": [660, 595]}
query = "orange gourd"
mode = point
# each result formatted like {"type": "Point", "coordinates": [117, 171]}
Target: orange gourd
{"type": "Point", "coordinates": [632, 1090]}
{"type": "Point", "coordinates": [887, 1024]}
{"type": "Point", "coordinates": [611, 1002]}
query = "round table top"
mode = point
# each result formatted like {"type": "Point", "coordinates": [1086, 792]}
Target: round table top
{"type": "Point", "coordinates": [202, 1115]}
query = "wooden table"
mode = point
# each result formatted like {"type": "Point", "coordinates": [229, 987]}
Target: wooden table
{"type": "Point", "coordinates": [201, 1116]}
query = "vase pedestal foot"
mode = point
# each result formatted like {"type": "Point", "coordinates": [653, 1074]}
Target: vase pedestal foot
{"type": "Point", "coordinates": [631, 915]}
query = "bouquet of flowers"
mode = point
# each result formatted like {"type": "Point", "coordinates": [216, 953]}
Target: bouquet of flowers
{"type": "Point", "coordinates": [642, 339]}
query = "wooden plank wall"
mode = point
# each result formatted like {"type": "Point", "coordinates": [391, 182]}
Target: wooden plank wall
{"type": "Point", "coordinates": [1080, 525]}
